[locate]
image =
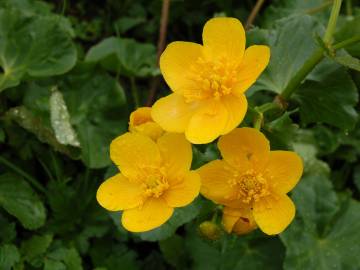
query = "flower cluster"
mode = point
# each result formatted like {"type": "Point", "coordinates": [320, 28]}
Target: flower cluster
{"type": "Point", "coordinates": [208, 83]}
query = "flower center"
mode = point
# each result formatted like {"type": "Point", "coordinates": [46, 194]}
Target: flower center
{"type": "Point", "coordinates": [154, 182]}
{"type": "Point", "coordinates": [214, 77]}
{"type": "Point", "coordinates": [249, 186]}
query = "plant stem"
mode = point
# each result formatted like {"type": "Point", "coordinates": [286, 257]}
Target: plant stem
{"type": "Point", "coordinates": [253, 13]}
{"type": "Point", "coordinates": [316, 57]}
{"type": "Point", "coordinates": [19, 171]}
{"type": "Point", "coordinates": [135, 92]}
{"type": "Point", "coordinates": [332, 21]}
{"type": "Point", "coordinates": [349, 8]}
{"type": "Point", "coordinates": [346, 42]}
{"type": "Point", "coordinates": [319, 8]}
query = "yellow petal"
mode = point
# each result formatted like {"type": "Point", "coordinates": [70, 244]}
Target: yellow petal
{"type": "Point", "coordinates": [141, 121]}
{"type": "Point", "coordinates": [225, 36]}
{"type": "Point", "coordinates": [184, 191]}
{"type": "Point", "coordinates": [274, 213]}
{"type": "Point", "coordinates": [238, 220]}
{"type": "Point", "coordinates": [236, 107]}
{"type": "Point", "coordinates": [245, 148]}
{"type": "Point", "coordinates": [284, 170]}
{"type": "Point", "coordinates": [255, 60]}
{"type": "Point", "coordinates": [176, 153]}
{"type": "Point", "coordinates": [134, 151]}
{"type": "Point", "coordinates": [215, 177]}
{"type": "Point", "coordinates": [207, 123]}
{"type": "Point", "coordinates": [118, 193]}
{"type": "Point", "coordinates": [175, 64]}
{"type": "Point", "coordinates": [153, 213]}
{"type": "Point", "coordinates": [172, 113]}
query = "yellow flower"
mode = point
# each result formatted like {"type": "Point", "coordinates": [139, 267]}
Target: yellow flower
{"type": "Point", "coordinates": [155, 178]}
{"type": "Point", "coordinates": [141, 121]}
{"type": "Point", "coordinates": [208, 81]}
{"type": "Point", "coordinates": [252, 182]}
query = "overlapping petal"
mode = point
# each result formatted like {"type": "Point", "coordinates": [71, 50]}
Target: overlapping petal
{"type": "Point", "coordinates": [245, 148]}
{"type": "Point", "coordinates": [215, 177]}
{"type": "Point", "coordinates": [153, 213]}
{"type": "Point", "coordinates": [284, 170]}
{"type": "Point", "coordinates": [207, 123]}
{"type": "Point", "coordinates": [172, 113]}
{"type": "Point", "coordinates": [238, 220]}
{"type": "Point", "coordinates": [255, 60]}
{"type": "Point", "coordinates": [175, 63]}
{"type": "Point", "coordinates": [132, 152]}
{"type": "Point", "coordinates": [274, 213]}
{"type": "Point", "coordinates": [176, 153]}
{"type": "Point", "coordinates": [118, 193]}
{"type": "Point", "coordinates": [236, 107]}
{"type": "Point", "coordinates": [184, 190]}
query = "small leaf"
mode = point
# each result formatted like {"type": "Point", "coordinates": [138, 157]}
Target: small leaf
{"type": "Point", "coordinates": [36, 246]}
{"type": "Point", "coordinates": [18, 199]}
{"type": "Point", "coordinates": [348, 61]}
{"type": "Point", "coordinates": [9, 256]}
{"type": "Point", "coordinates": [60, 120]}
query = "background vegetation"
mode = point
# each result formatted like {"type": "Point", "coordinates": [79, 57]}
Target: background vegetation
{"type": "Point", "coordinates": [72, 71]}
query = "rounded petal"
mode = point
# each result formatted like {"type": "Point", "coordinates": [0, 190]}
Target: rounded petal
{"type": "Point", "coordinates": [140, 116]}
{"type": "Point", "coordinates": [284, 170]}
{"type": "Point", "coordinates": [274, 213]}
{"type": "Point", "coordinates": [152, 214]}
{"type": "Point", "coordinates": [176, 153]}
{"type": "Point", "coordinates": [183, 192]}
{"type": "Point", "coordinates": [172, 113]}
{"type": "Point", "coordinates": [141, 121]}
{"type": "Point", "coordinates": [134, 151]}
{"type": "Point", "coordinates": [255, 60]}
{"type": "Point", "coordinates": [225, 36]}
{"type": "Point", "coordinates": [215, 177]}
{"type": "Point", "coordinates": [238, 220]}
{"type": "Point", "coordinates": [207, 124]}
{"type": "Point", "coordinates": [245, 148]}
{"type": "Point", "coordinates": [236, 107]}
{"type": "Point", "coordinates": [118, 193]}
{"type": "Point", "coordinates": [176, 62]}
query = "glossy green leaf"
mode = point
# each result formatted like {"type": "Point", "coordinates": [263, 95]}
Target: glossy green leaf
{"type": "Point", "coordinates": [126, 56]}
{"type": "Point", "coordinates": [330, 100]}
{"type": "Point", "coordinates": [9, 256]}
{"type": "Point", "coordinates": [325, 232]}
{"type": "Point", "coordinates": [35, 247]}
{"type": "Point", "coordinates": [348, 61]}
{"type": "Point", "coordinates": [19, 199]}
{"type": "Point", "coordinates": [51, 51]}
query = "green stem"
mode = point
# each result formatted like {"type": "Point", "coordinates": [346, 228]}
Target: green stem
{"type": "Point", "coordinates": [134, 92]}
{"type": "Point", "coordinates": [332, 21]}
{"type": "Point", "coordinates": [19, 171]}
{"type": "Point", "coordinates": [319, 8]}
{"type": "Point", "coordinates": [316, 57]}
{"type": "Point", "coordinates": [258, 121]}
{"type": "Point", "coordinates": [346, 42]}
{"type": "Point", "coordinates": [308, 66]}
{"type": "Point", "coordinates": [267, 107]}
{"type": "Point", "coordinates": [349, 8]}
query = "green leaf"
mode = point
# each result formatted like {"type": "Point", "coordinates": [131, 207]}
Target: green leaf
{"type": "Point", "coordinates": [126, 23]}
{"type": "Point", "coordinates": [330, 100]}
{"type": "Point", "coordinates": [32, 45]}
{"type": "Point", "coordinates": [281, 131]}
{"type": "Point", "coordinates": [27, 120]}
{"type": "Point", "coordinates": [19, 199]}
{"type": "Point", "coordinates": [250, 252]}
{"type": "Point", "coordinates": [126, 56]}
{"type": "Point", "coordinates": [325, 232]}
{"type": "Point", "coordinates": [180, 217]}
{"type": "Point", "coordinates": [96, 104]}
{"type": "Point", "coordinates": [35, 247]}
{"type": "Point", "coordinates": [350, 29]}
{"type": "Point", "coordinates": [173, 249]}
{"type": "Point", "coordinates": [289, 51]}
{"type": "Point", "coordinates": [7, 230]}
{"type": "Point", "coordinates": [63, 258]}
{"type": "Point", "coordinates": [60, 120]}
{"type": "Point", "coordinates": [348, 61]}
{"type": "Point", "coordinates": [9, 256]}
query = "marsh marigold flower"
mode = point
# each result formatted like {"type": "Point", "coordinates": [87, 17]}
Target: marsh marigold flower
{"type": "Point", "coordinates": [155, 178]}
{"type": "Point", "coordinates": [252, 182]}
{"type": "Point", "coordinates": [141, 121]}
{"type": "Point", "coordinates": [208, 81]}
